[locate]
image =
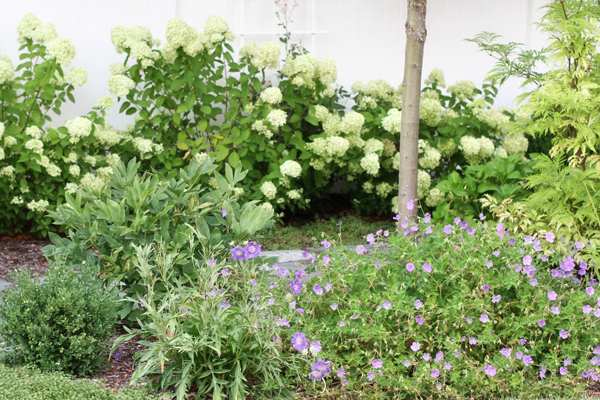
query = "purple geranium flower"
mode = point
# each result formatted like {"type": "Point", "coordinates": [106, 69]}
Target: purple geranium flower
{"type": "Point", "coordinates": [318, 290]}
{"type": "Point", "coordinates": [550, 237]}
{"type": "Point", "coordinates": [377, 363]}
{"type": "Point", "coordinates": [589, 291]}
{"type": "Point", "coordinates": [387, 305]}
{"type": "Point", "coordinates": [326, 244]}
{"type": "Point", "coordinates": [541, 323]}
{"type": "Point", "coordinates": [320, 369]}
{"type": "Point", "coordinates": [282, 272]}
{"type": "Point", "coordinates": [527, 260]}
{"type": "Point", "coordinates": [427, 218]}
{"type": "Point", "coordinates": [519, 355]}
{"type": "Point", "coordinates": [300, 273]}
{"type": "Point", "coordinates": [410, 204]}
{"type": "Point", "coordinates": [410, 267]}
{"type": "Point", "coordinates": [418, 304]}
{"type": "Point", "coordinates": [484, 318]}
{"type": "Point", "coordinates": [223, 213]}
{"type": "Point", "coordinates": [485, 288]}
{"type": "Point", "coordinates": [334, 306]}
{"type": "Point", "coordinates": [370, 376]}
{"type": "Point", "coordinates": [533, 282]}
{"type": "Point", "coordinates": [579, 245]}
{"type": "Point", "coordinates": [299, 341]}
{"type": "Point", "coordinates": [427, 267]}
{"type": "Point", "coordinates": [225, 304]}
{"type": "Point", "coordinates": [489, 370]}
{"type": "Point", "coordinates": [447, 366]}
{"type": "Point", "coordinates": [296, 287]}
{"type": "Point", "coordinates": [472, 341]}
{"type": "Point", "coordinates": [564, 370]}
{"type": "Point", "coordinates": [371, 238]}
{"type": "Point", "coordinates": [341, 372]}
{"type": "Point", "coordinates": [419, 319]}
{"type": "Point", "coordinates": [469, 320]}
{"type": "Point", "coordinates": [506, 352]}
{"type": "Point", "coordinates": [471, 231]}
{"type": "Point", "coordinates": [587, 309]}
{"type": "Point", "coordinates": [552, 295]}
{"type": "Point", "coordinates": [238, 253]}
{"type": "Point", "coordinates": [407, 363]}
{"type": "Point", "coordinates": [555, 310]}
{"type": "Point", "coordinates": [522, 342]}
{"type": "Point", "coordinates": [527, 360]}
{"type": "Point", "coordinates": [225, 272]}
{"type": "Point", "coordinates": [300, 310]}
{"type": "Point", "coordinates": [464, 225]}
{"type": "Point", "coordinates": [448, 229]}
{"type": "Point", "coordinates": [435, 373]}
{"type": "Point", "coordinates": [360, 249]}
{"type": "Point", "coordinates": [326, 260]}
{"type": "Point", "coordinates": [415, 346]}
{"type": "Point", "coordinates": [426, 356]}
{"type": "Point", "coordinates": [328, 287]}
{"type": "Point", "coordinates": [315, 347]}
{"type": "Point", "coordinates": [563, 334]}
{"type": "Point", "coordinates": [252, 250]}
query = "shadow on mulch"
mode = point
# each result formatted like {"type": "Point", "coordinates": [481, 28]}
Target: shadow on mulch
{"type": "Point", "coordinates": [20, 252]}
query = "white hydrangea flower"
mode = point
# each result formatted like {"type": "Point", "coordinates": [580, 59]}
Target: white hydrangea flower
{"type": "Point", "coordinates": [38, 206]}
{"type": "Point", "coordinates": [260, 127]}
{"type": "Point", "coordinates": [266, 207]}
{"type": "Point", "coordinates": [8, 171]}
{"type": "Point", "coordinates": [500, 152]}
{"type": "Point", "coordinates": [327, 71]}
{"type": "Point", "coordinates": [35, 145]}
{"type": "Point", "coordinates": [494, 118]}
{"type": "Point", "coordinates": [95, 183]}
{"type": "Point", "coordinates": [9, 141]}
{"type": "Point", "coordinates": [53, 170]}
{"type": "Point", "coordinates": [285, 182]}
{"type": "Point", "coordinates": [104, 172]}
{"type": "Point", "coordinates": [143, 145]}
{"type": "Point", "coordinates": [378, 88]}
{"type": "Point", "coordinates": [266, 56]}
{"type": "Point", "coordinates": [318, 164]}
{"type": "Point", "coordinates": [373, 145]}
{"type": "Point", "coordinates": [367, 103]}
{"type": "Point", "coordinates": [107, 135]}
{"type": "Point", "coordinates": [79, 128]}
{"type": "Point", "coordinates": [447, 147]}
{"type": "Point", "coordinates": [28, 24]}
{"type": "Point", "coordinates": [515, 144]}
{"type": "Point", "coordinates": [17, 200]}
{"type": "Point", "coordinates": [471, 148]}
{"type": "Point", "coordinates": [271, 95]}
{"type": "Point", "coordinates": [430, 158]}
{"type": "Point", "coordinates": [63, 50]}
{"type": "Point", "coordinates": [290, 168]}
{"type": "Point", "coordinates": [478, 106]}
{"type": "Point", "coordinates": [486, 147]}
{"type": "Point", "coordinates": [269, 190]}
{"type": "Point", "coordinates": [434, 198]}
{"type": "Point", "coordinates": [389, 148]}
{"type": "Point", "coordinates": [321, 113]}
{"type": "Point", "coordinates": [120, 85]}
{"type": "Point", "coordinates": [44, 33]}
{"type": "Point", "coordinates": [355, 141]}
{"type": "Point", "coordinates": [71, 188]}
{"type": "Point", "coordinates": [333, 125]}
{"type": "Point", "coordinates": [436, 76]}
{"type": "Point", "coordinates": [393, 122]}
{"type": "Point", "coordinates": [71, 158]}
{"type": "Point", "coordinates": [200, 157]}
{"type": "Point", "coordinates": [218, 29]}
{"type": "Point", "coordinates": [74, 170]}
{"type": "Point", "coordinates": [462, 90]}
{"type": "Point", "coordinates": [352, 123]}
{"type": "Point", "coordinates": [7, 70]}
{"type": "Point", "coordinates": [358, 87]}
{"type": "Point", "coordinates": [447, 116]}
{"type": "Point", "coordinates": [328, 92]}
{"type": "Point", "coordinates": [118, 36]}
{"type": "Point", "coordinates": [2, 155]}
{"type": "Point", "coordinates": [423, 183]}
{"type": "Point", "coordinates": [1, 129]}
{"type": "Point", "coordinates": [277, 118]}
{"type": "Point", "coordinates": [294, 195]}
{"type": "Point", "coordinates": [396, 161]}
{"type": "Point", "coordinates": [90, 160]}
{"type": "Point", "coordinates": [112, 159]}
{"type": "Point", "coordinates": [370, 163]}
{"type": "Point", "coordinates": [304, 68]}
{"type": "Point", "coordinates": [383, 189]}
{"type": "Point", "coordinates": [430, 111]}
{"type": "Point", "coordinates": [33, 131]}
{"type": "Point", "coordinates": [77, 76]}
{"type": "Point", "coordinates": [117, 68]}
{"type": "Point", "coordinates": [105, 102]}
{"type": "Point", "coordinates": [248, 50]}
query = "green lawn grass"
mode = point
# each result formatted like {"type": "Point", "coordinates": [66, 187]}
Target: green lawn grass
{"type": "Point", "coordinates": [301, 235]}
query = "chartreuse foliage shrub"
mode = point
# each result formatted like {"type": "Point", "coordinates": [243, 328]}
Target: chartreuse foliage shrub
{"type": "Point", "coordinates": [31, 384]}
{"type": "Point", "coordinates": [563, 107]}
{"type": "Point", "coordinates": [459, 311]}
{"type": "Point", "coordinates": [61, 325]}
{"type": "Point", "coordinates": [218, 333]}
{"type": "Point", "coordinates": [150, 208]}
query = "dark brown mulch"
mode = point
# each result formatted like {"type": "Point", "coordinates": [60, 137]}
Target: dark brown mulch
{"type": "Point", "coordinates": [17, 253]}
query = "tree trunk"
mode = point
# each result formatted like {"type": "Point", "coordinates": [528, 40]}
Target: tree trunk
{"type": "Point", "coordinates": [409, 134]}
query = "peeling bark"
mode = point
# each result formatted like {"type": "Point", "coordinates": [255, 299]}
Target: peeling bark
{"type": "Point", "coordinates": [416, 33]}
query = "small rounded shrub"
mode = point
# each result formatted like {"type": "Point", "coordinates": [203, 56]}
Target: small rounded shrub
{"type": "Point", "coordinates": [61, 325]}
{"type": "Point", "coordinates": [29, 383]}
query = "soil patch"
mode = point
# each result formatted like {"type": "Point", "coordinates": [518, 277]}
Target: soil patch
{"type": "Point", "coordinates": [20, 252]}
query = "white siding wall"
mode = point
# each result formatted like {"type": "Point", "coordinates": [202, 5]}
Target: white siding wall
{"type": "Point", "coordinates": [365, 37]}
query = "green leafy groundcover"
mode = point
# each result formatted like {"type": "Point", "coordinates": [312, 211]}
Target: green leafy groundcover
{"type": "Point", "coordinates": [30, 384]}
{"type": "Point", "coordinates": [460, 311]}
